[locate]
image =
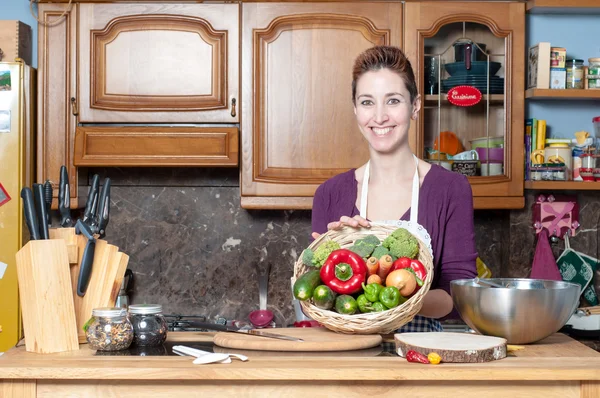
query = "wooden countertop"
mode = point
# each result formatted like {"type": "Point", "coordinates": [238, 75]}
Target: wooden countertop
{"type": "Point", "coordinates": [556, 358]}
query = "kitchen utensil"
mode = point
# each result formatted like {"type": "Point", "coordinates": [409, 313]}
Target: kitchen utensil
{"type": "Point", "coordinates": [314, 339]}
{"type": "Point", "coordinates": [103, 209]}
{"type": "Point", "coordinates": [490, 155]}
{"type": "Point", "coordinates": [448, 142]}
{"type": "Point", "coordinates": [262, 317]}
{"type": "Point", "coordinates": [487, 142]}
{"type": "Point", "coordinates": [527, 312]}
{"type": "Point", "coordinates": [184, 350]}
{"type": "Point", "coordinates": [40, 205]}
{"type": "Point", "coordinates": [48, 200]}
{"type": "Point", "coordinates": [212, 358]}
{"type": "Point", "coordinates": [254, 332]}
{"type": "Point", "coordinates": [64, 198]}
{"type": "Point", "coordinates": [478, 68]}
{"type": "Point", "coordinates": [123, 298]}
{"type": "Point", "coordinates": [88, 257]}
{"type": "Point", "coordinates": [486, 282]}
{"type": "Point", "coordinates": [466, 51]}
{"type": "Point", "coordinates": [91, 204]}
{"type": "Point", "coordinates": [452, 347]}
{"type": "Point", "coordinates": [30, 214]}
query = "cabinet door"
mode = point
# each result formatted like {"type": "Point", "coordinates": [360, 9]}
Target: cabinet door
{"type": "Point", "coordinates": [56, 120]}
{"type": "Point", "coordinates": [298, 124]}
{"type": "Point", "coordinates": [464, 52]}
{"type": "Point", "coordinates": [158, 63]}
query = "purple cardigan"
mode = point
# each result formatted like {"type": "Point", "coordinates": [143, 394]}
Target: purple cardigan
{"type": "Point", "coordinates": [445, 210]}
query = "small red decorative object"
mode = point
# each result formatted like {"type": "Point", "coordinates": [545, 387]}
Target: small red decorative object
{"type": "Point", "coordinates": [464, 96]}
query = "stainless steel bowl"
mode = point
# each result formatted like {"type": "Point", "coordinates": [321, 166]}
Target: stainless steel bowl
{"type": "Point", "coordinates": [525, 311]}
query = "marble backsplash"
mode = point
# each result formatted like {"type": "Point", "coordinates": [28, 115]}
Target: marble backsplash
{"type": "Point", "coordinates": [194, 250]}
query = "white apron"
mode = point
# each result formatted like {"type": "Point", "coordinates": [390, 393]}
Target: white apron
{"type": "Point", "coordinates": [419, 323]}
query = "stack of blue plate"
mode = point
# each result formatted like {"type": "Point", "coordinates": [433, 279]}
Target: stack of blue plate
{"type": "Point", "coordinates": [479, 82]}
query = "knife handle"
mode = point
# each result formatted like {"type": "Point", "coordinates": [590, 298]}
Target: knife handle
{"type": "Point", "coordinates": [64, 198]}
{"type": "Point", "coordinates": [85, 270]}
{"type": "Point", "coordinates": [92, 201]}
{"type": "Point", "coordinates": [40, 205]}
{"type": "Point", "coordinates": [30, 216]}
{"type": "Point", "coordinates": [104, 208]}
{"type": "Point", "coordinates": [48, 192]}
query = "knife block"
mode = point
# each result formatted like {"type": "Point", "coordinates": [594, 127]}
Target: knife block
{"type": "Point", "coordinates": [108, 270]}
{"type": "Point", "coordinates": [46, 297]}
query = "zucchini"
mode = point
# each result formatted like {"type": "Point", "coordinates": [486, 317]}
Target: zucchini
{"type": "Point", "coordinates": [324, 297]}
{"type": "Point", "coordinates": [305, 285]}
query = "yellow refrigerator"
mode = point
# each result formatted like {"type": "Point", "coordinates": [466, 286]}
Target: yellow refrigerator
{"type": "Point", "coordinates": [16, 171]}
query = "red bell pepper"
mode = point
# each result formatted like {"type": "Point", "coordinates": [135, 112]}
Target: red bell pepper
{"type": "Point", "coordinates": [414, 356]}
{"type": "Point", "coordinates": [415, 265]}
{"type": "Point", "coordinates": [344, 271]}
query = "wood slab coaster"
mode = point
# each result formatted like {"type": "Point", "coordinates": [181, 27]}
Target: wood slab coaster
{"type": "Point", "coordinates": [315, 339]}
{"type": "Point", "coordinates": [452, 347]}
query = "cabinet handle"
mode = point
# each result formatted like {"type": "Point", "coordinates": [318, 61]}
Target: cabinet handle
{"type": "Point", "coordinates": [74, 106]}
{"type": "Point", "coordinates": [233, 101]}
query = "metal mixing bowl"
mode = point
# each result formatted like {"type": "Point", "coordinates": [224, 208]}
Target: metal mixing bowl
{"type": "Point", "coordinates": [526, 311]}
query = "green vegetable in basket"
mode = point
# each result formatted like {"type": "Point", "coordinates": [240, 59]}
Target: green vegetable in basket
{"type": "Point", "coordinates": [345, 304]}
{"type": "Point", "coordinates": [379, 252]}
{"type": "Point", "coordinates": [378, 307]}
{"type": "Point", "coordinates": [323, 252]}
{"type": "Point", "coordinates": [306, 284]}
{"type": "Point", "coordinates": [365, 246]}
{"type": "Point", "coordinates": [307, 257]}
{"type": "Point", "coordinates": [402, 243]}
{"type": "Point", "coordinates": [390, 296]}
{"type": "Point", "coordinates": [324, 297]}
{"type": "Point", "coordinates": [364, 305]}
{"type": "Point", "coordinates": [372, 291]}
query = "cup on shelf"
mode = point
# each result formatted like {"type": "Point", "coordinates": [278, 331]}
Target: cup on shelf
{"type": "Point", "coordinates": [491, 169]}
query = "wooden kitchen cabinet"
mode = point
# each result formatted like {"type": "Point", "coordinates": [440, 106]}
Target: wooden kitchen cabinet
{"type": "Point", "coordinates": [135, 67]}
{"type": "Point", "coordinates": [298, 124]}
{"type": "Point", "coordinates": [432, 32]}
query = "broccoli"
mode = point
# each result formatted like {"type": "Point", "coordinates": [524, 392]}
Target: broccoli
{"type": "Point", "coordinates": [402, 243]}
{"type": "Point", "coordinates": [323, 252]}
{"type": "Point", "coordinates": [307, 257]}
{"type": "Point", "coordinates": [365, 246]}
{"type": "Point", "coordinates": [379, 252]}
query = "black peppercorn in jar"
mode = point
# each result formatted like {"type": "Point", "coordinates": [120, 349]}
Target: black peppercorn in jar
{"type": "Point", "coordinates": [109, 329]}
{"type": "Point", "coordinates": [149, 324]}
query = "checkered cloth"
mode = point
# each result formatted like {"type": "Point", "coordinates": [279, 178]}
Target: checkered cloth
{"type": "Point", "coordinates": [418, 324]}
{"type": "Point", "coordinates": [421, 324]}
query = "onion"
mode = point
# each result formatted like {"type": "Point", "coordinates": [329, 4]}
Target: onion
{"type": "Point", "coordinates": [403, 280]}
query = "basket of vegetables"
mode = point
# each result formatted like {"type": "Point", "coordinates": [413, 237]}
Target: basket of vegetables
{"type": "Point", "coordinates": [365, 280]}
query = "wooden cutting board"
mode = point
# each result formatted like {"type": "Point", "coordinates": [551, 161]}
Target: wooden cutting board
{"type": "Point", "coordinates": [452, 347]}
{"type": "Point", "coordinates": [315, 339]}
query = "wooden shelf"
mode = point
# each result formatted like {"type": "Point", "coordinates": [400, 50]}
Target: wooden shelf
{"type": "Point", "coordinates": [495, 98]}
{"type": "Point", "coordinates": [563, 7]}
{"type": "Point", "coordinates": [576, 94]}
{"type": "Point", "coordinates": [563, 185]}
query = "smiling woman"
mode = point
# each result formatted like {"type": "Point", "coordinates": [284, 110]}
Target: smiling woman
{"type": "Point", "coordinates": [395, 187]}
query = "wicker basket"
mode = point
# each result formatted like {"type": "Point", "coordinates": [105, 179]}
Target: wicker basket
{"type": "Point", "coordinates": [372, 322]}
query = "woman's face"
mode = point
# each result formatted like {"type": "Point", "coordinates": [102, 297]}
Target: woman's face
{"type": "Point", "coordinates": [383, 109]}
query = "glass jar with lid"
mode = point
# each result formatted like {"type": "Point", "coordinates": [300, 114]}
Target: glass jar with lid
{"type": "Point", "coordinates": [575, 73]}
{"type": "Point", "coordinates": [149, 324]}
{"type": "Point", "coordinates": [109, 329]}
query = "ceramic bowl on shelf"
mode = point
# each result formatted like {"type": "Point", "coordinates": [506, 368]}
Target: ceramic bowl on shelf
{"type": "Point", "coordinates": [522, 311]}
{"type": "Point", "coordinates": [485, 142]}
{"type": "Point", "coordinates": [490, 155]}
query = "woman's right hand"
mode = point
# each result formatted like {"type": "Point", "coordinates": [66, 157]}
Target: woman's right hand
{"type": "Point", "coordinates": [356, 221]}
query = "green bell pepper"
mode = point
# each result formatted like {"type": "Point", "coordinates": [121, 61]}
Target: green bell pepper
{"type": "Point", "coordinates": [378, 307]}
{"type": "Point", "coordinates": [390, 296]}
{"type": "Point", "coordinates": [372, 291]}
{"type": "Point", "coordinates": [364, 305]}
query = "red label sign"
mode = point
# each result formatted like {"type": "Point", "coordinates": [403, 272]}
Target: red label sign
{"type": "Point", "coordinates": [464, 96]}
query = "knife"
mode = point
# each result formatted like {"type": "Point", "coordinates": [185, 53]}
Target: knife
{"type": "Point", "coordinates": [92, 201]}
{"type": "Point", "coordinates": [30, 215]}
{"type": "Point", "coordinates": [48, 200]}
{"type": "Point", "coordinates": [253, 332]}
{"type": "Point", "coordinates": [64, 198]}
{"type": "Point", "coordinates": [85, 271]}
{"type": "Point", "coordinates": [40, 205]}
{"type": "Point", "coordinates": [103, 208]}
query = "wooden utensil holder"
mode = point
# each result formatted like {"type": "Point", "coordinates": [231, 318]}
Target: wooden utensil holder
{"type": "Point", "coordinates": [107, 275]}
{"type": "Point", "coordinates": [46, 297]}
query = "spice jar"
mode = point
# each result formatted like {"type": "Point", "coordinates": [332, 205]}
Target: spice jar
{"type": "Point", "coordinates": [109, 329]}
{"type": "Point", "coordinates": [593, 73]}
{"type": "Point", "coordinates": [149, 324]}
{"type": "Point", "coordinates": [575, 73]}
